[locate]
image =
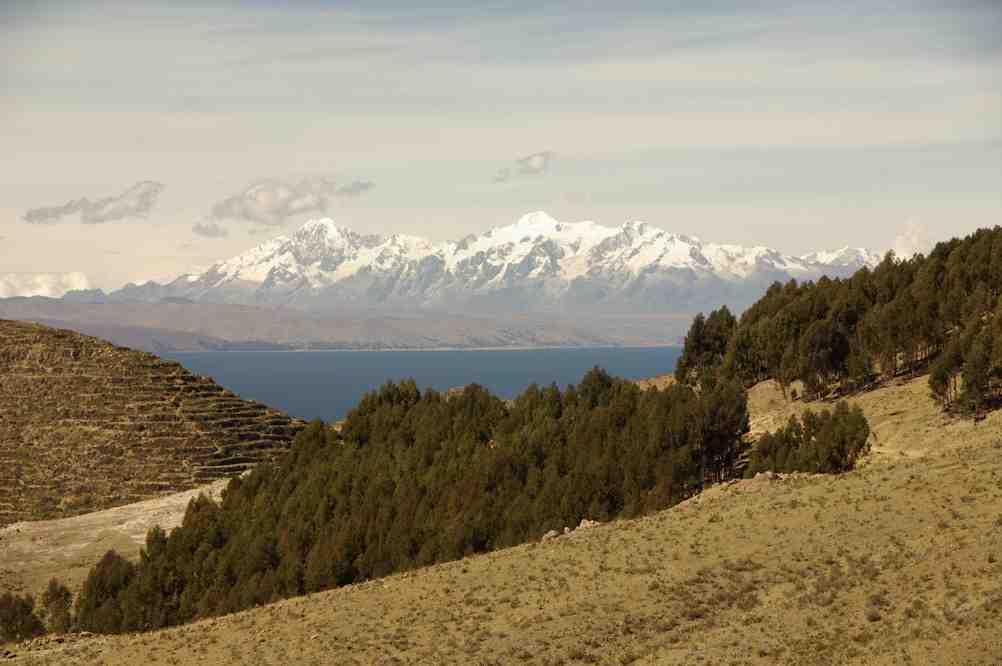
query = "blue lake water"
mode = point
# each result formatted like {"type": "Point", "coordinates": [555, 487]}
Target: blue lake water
{"type": "Point", "coordinates": [327, 384]}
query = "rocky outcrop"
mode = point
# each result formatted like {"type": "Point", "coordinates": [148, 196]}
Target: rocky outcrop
{"type": "Point", "coordinates": [85, 425]}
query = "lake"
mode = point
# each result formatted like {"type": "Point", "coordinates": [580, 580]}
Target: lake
{"type": "Point", "coordinates": [327, 384]}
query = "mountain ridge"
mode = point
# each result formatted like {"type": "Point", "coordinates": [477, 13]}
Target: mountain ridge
{"type": "Point", "coordinates": [536, 264]}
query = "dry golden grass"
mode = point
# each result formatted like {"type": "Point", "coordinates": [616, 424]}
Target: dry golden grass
{"type": "Point", "coordinates": [85, 425]}
{"type": "Point", "coordinates": [898, 562]}
{"type": "Point", "coordinates": [658, 382]}
{"type": "Point", "coordinates": [33, 552]}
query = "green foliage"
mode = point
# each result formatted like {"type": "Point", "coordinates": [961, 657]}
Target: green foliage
{"type": "Point", "coordinates": [57, 602]}
{"type": "Point", "coordinates": [416, 478]}
{"type": "Point", "coordinates": [18, 620]}
{"type": "Point", "coordinates": [705, 346]}
{"type": "Point", "coordinates": [99, 606]}
{"type": "Point", "coordinates": [941, 312]}
{"type": "Point", "coordinates": [825, 443]}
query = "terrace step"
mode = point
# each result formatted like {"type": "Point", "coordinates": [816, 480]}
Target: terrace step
{"type": "Point", "coordinates": [80, 417]}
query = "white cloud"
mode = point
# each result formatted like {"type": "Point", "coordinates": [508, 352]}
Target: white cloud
{"type": "Point", "coordinates": [530, 165]}
{"type": "Point", "coordinates": [53, 285]}
{"type": "Point", "coordinates": [209, 230]}
{"type": "Point", "coordinates": [135, 202]}
{"type": "Point", "coordinates": [274, 202]}
{"type": "Point", "coordinates": [912, 239]}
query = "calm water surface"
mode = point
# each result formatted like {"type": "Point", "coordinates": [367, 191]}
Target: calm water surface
{"type": "Point", "coordinates": [327, 384]}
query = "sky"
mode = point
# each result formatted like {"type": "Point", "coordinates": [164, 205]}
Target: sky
{"type": "Point", "coordinates": [144, 140]}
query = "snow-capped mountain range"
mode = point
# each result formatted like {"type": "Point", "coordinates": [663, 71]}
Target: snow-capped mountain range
{"type": "Point", "coordinates": [535, 264]}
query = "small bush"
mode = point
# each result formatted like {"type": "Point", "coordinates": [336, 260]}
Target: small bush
{"type": "Point", "coordinates": [825, 443]}
{"type": "Point", "coordinates": [56, 604]}
{"type": "Point", "coordinates": [18, 620]}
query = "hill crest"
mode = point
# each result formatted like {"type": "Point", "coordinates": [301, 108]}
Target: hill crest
{"type": "Point", "coordinates": [88, 425]}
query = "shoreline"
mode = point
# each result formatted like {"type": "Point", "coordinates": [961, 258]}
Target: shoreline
{"type": "Point", "coordinates": [423, 349]}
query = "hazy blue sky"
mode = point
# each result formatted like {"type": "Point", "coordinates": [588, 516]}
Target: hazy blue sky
{"type": "Point", "coordinates": [132, 131]}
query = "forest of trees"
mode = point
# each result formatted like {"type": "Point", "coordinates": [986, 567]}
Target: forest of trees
{"type": "Point", "coordinates": [940, 313]}
{"type": "Point", "coordinates": [416, 477]}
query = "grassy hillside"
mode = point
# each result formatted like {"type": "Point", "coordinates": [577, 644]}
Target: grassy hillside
{"type": "Point", "coordinates": [86, 425]}
{"type": "Point", "coordinates": [33, 552]}
{"type": "Point", "coordinates": [896, 562]}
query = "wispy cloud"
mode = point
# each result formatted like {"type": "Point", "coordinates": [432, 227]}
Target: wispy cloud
{"type": "Point", "coordinates": [274, 202]}
{"type": "Point", "coordinates": [135, 202]}
{"type": "Point", "coordinates": [530, 165]}
{"type": "Point", "coordinates": [354, 188]}
{"type": "Point", "coordinates": [210, 230]}
{"type": "Point", "coordinates": [52, 285]}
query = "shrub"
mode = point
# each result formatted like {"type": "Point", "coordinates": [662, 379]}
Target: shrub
{"type": "Point", "coordinates": [18, 620]}
{"type": "Point", "coordinates": [827, 443]}
{"type": "Point", "coordinates": [99, 605]}
{"type": "Point", "coordinates": [56, 605]}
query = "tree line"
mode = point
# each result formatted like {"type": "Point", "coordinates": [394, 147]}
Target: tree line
{"type": "Point", "coordinates": [343, 510]}
{"type": "Point", "coordinates": [939, 313]}
{"type": "Point", "coordinates": [418, 477]}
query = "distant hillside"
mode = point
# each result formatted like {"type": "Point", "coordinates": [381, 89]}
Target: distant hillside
{"type": "Point", "coordinates": [154, 340]}
{"type": "Point", "coordinates": [85, 425]}
{"type": "Point", "coordinates": [175, 325]}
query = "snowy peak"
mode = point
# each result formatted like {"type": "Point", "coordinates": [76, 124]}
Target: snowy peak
{"type": "Point", "coordinates": [846, 256]}
{"type": "Point", "coordinates": [536, 262]}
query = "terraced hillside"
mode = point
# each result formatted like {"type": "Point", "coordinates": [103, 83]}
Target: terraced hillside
{"type": "Point", "coordinates": [897, 562]}
{"type": "Point", "coordinates": [85, 425]}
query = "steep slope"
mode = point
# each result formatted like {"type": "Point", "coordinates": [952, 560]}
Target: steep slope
{"type": "Point", "coordinates": [85, 425]}
{"type": "Point", "coordinates": [537, 263]}
{"type": "Point", "coordinates": [897, 562]}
